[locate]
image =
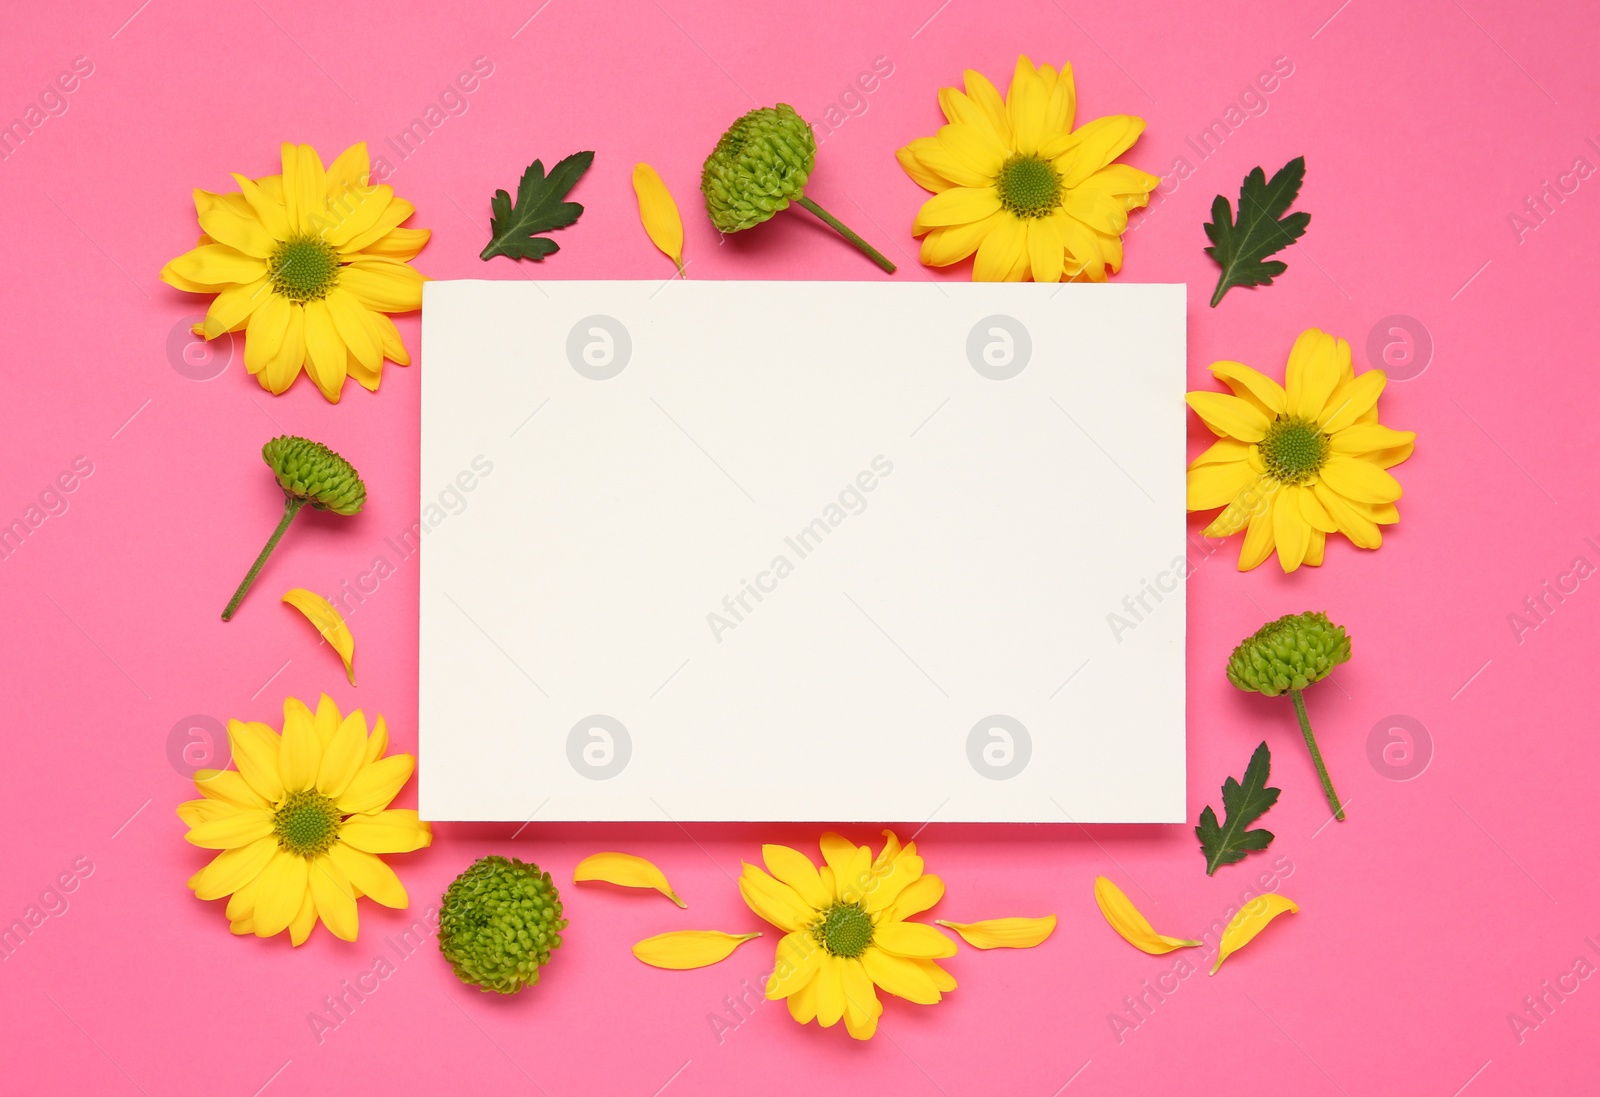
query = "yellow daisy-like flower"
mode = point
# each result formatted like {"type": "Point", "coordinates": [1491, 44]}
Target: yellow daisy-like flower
{"type": "Point", "coordinates": [1301, 460]}
{"type": "Point", "coordinates": [1015, 183]}
{"type": "Point", "coordinates": [301, 823]}
{"type": "Point", "coordinates": [846, 931]}
{"type": "Point", "coordinates": [306, 264]}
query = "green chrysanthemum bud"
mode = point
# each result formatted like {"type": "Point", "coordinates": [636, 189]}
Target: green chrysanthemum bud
{"type": "Point", "coordinates": [499, 922]}
{"type": "Point", "coordinates": [761, 163]}
{"type": "Point", "coordinates": [1286, 656]}
{"type": "Point", "coordinates": [759, 166]}
{"type": "Point", "coordinates": [309, 473]}
{"type": "Point", "coordinates": [1290, 653]}
{"type": "Point", "coordinates": [315, 474]}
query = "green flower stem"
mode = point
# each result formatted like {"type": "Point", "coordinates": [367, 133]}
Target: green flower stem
{"type": "Point", "coordinates": [1316, 755]}
{"type": "Point", "coordinates": [844, 230]}
{"type": "Point", "coordinates": [291, 507]}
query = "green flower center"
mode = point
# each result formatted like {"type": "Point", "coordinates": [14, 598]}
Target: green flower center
{"type": "Point", "coordinates": [306, 823]}
{"type": "Point", "coordinates": [304, 268]}
{"type": "Point", "coordinates": [1029, 187]}
{"type": "Point", "coordinates": [845, 930]}
{"type": "Point", "coordinates": [1294, 450]}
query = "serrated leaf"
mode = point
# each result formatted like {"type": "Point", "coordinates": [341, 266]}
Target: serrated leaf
{"type": "Point", "coordinates": [540, 207]}
{"type": "Point", "coordinates": [1241, 246]}
{"type": "Point", "coordinates": [1243, 802]}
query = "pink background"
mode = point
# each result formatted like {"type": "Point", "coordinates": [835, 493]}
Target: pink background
{"type": "Point", "coordinates": [1426, 918]}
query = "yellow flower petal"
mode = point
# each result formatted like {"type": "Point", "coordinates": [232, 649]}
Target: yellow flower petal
{"type": "Point", "coordinates": [401, 244]}
{"type": "Point", "coordinates": [284, 366]}
{"type": "Point", "coordinates": [234, 868]}
{"type": "Point", "coordinates": [1005, 932]}
{"type": "Point", "coordinates": [1122, 916]}
{"type": "Point", "coordinates": [255, 752]}
{"type": "Point", "coordinates": [689, 948]}
{"type": "Point", "coordinates": [803, 1002]}
{"type": "Point", "coordinates": [349, 172]}
{"type": "Point", "coordinates": [1315, 369]}
{"type": "Point", "coordinates": [280, 890]}
{"type": "Point", "coordinates": [830, 991]}
{"type": "Point", "coordinates": [950, 244]}
{"type": "Point", "coordinates": [912, 940]}
{"type": "Point", "coordinates": [328, 623]}
{"type": "Point", "coordinates": [1291, 532]}
{"type": "Point", "coordinates": [1229, 416]}
{"type": "Point", "coordinates": [325, 351]}
{"type": "Point", "coordinates": [901, 977]}
{"type": "Point", "coordinates": [1350, 402]}
{"type": "Point", "coordinates": [377, 783]}
{"type": "Point", "coordinates": [334, 897]}
{"type": "Point", "coordinates": [397, 830]}
{"type": "Point", "coordinates": [956, 206]}
{"type": "Point", "coordinates": [1359, 480]}
{"type": "Point", "coordinates": [1218, 485]}
{"type": "Point", "coordinates": [1259, 535]}
{"type": "Point", "coordinates": [1025, 107]}
{"type": "Point", "coordinates": [625, 870]}
{"type": "Point", "coordinates": [242, 231]}
{"type": "Point", "coordinates": [775, 902]}
{"type": "Point", "coordinates": [861, 1006]}
{"type": "Point", "coordinates": [968, 156]}
{"type": "Point", "coordinates": [794, 964]}
{"type": "Point", "coordinates": [369, 875]}
{"type": "Point", "coordinates": [659, 213]}
{"type": "Point", "coordinates": [267, 204]}
{"type": "Point", "coordinates": [795, 869]}
{"type": "Point", "coordinates": [1047, 250]}
{"type": "Point", "coordinates": [304, 186]}
{"type": "Point", "coordinates": [986, 97]}
{"type": "Point", "coordinates": [299, 751]}
{"type": "Point", "coordinates": [1364, 439]}
{"type": "Point", "coordinates": [1096, 144]}
{"type": "Point", "coordinates": [342, 757]}
{"type": "Point", "coordinates": [919, 895]}
{"type": "Point", "coordinates": [304, 921]}
{"type": "Point", "coordinates": [919, 173]}
{"type": "Point", "coordinates": [1252, 385]}
{"type": "Point", "coordinates": [240, 828]}
{"type": "Point", "coordinates": [1003, 254]}
{"type": "Point", "coordinates": [1353, 523]}
{"type": "Point", "coordinates": [217, 265]}
{"type": "Point", "coordinates": [383, 284]}
{"type": "Point", "coordinates": [228, 785]}
{"type": "Point", "coordinates": [1255, 917]}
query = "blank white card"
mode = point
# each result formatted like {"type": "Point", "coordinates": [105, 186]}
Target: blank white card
{"type": "Point", "coordinates": [884, 551]}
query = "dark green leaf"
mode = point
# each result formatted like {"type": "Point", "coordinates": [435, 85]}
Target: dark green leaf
{"type": "Point", "coordinates": [1244, 802]}
{"type": "Point", "coordinates": [539, 208]}
{"type": "Point", "coordinates": [1241, 246]}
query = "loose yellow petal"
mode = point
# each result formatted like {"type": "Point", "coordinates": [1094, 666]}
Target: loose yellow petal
{"type": "Point", "coordinates": [1005, 932]}
{"type": "Point", "coordinates": [1131, 926]}
{"type": "Point", "coordinates": [1250, 921]}
{"type": "Point", "coordinates": [627, 871]}
{"type": "Point", "coordinates": [689, 948]}
{"type": "Point", "coordinates": [326, 620]}
{"type": "Point", "coordinates": [659, 213]}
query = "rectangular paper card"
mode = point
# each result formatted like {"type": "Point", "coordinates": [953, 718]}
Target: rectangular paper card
{"type": "Point", "coordinates": [878, 551]}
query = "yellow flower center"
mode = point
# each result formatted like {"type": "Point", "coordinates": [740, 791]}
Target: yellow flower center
{"type": "Point", "coordinates": [306, 823]}
{"type": "Point", "coordinates": [1029, 187]}
{"type": "Point", "coordinates": [303, 268]}
{"type": "Point", "coordinates": [844, 929]}
{"type": "Point", "coordinates": [1294, 449]}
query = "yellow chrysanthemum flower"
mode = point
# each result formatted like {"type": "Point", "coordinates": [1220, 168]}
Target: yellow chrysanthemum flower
{"type": "Point", "coordinates": [1014, 182]}
{"type": "Point", "coordinates": [301, 822]}
{"type": "Point", "coordinates": [846, 930]}
{"type": "Point", "coordinates": [307, 264]}
{"type": "Point", "coordinates": [1299, 461]}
